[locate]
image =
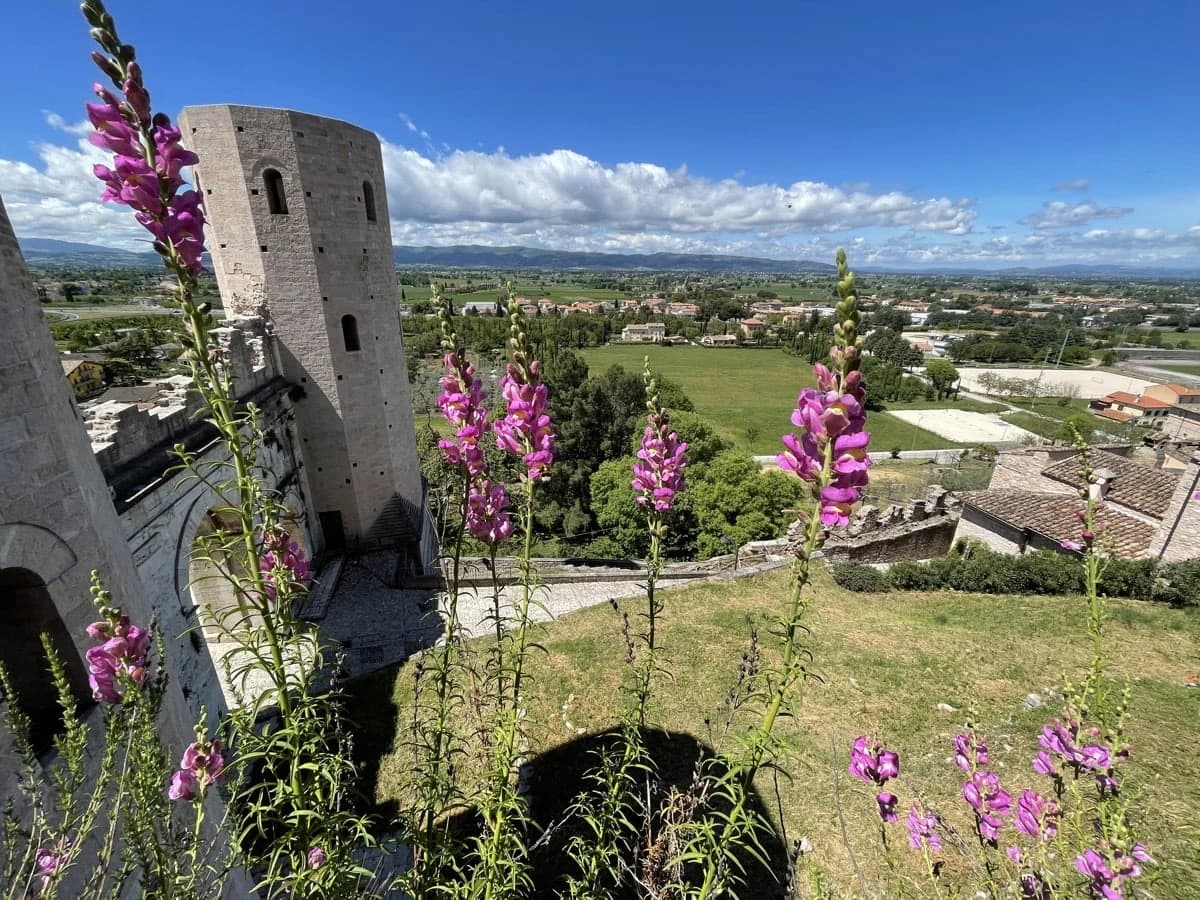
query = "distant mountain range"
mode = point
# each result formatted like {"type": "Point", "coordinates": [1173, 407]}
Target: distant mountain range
{"type": "Point", "coordinates": [70, 252]}
{"type": "Point", "coordinates": [475, 256]}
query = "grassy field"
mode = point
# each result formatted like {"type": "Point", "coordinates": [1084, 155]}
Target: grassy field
{"type": "Point", "coordinates": [1183, 369]}
{"type": "Point", "coordinates": [885, 666]}
{"type": "Point", "coordinates": [748, 395]}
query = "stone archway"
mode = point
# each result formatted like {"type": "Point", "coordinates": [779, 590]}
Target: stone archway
{"type": "Point", "coordinates": [27, 611]}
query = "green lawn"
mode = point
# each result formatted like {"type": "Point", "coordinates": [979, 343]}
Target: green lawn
{"type": "Point", "coordinates": [1182, 369]}
{"type": "Point", "coordinates": [748, 395]}
{"type": "Point", "coordinates": [885, 664]}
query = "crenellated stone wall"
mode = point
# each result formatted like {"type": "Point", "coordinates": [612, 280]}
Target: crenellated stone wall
{"type": "Point", "coordinates": [919, 529]}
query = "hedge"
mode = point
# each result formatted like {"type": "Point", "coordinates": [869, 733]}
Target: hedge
{"type": "Point", "coordinates": [972, 568]}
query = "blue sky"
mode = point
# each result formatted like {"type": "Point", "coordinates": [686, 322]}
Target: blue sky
{"type": "Point", "coordinates": [917, 134]}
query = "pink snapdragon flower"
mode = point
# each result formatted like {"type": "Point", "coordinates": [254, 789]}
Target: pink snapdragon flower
{"type": "Point", "coordinates": [283, 557]}
{"type": "Point", "coordinates": [488, 517]}
{"type": "Point", "coordinates": [874, 764]}
{"type": "Point", "coordinates": [52, 860]}
{"type": "Point", "coordinates": [1037, 816]}
{"type": "Point", "coordinates": [1107, 875]}
{"type": "Point", "coordinates": [970, 752]}
{"type": "Point", "coordinates": [831, 423]}
{"type": "Point", "coordinates": [922, 828]}
{"type": "Point", "coordinates": [463, 403]}
{"type": "Point", "coordinates": [316, 857]}
{"type": "Point", "coordinates": [120, 662]}
{"type": "Point", "coordinates": [658, 468]}
{"type": "Point", "coordinates": [990, 802]}
{"type": "Point", "coordinates": [202, 764]}
{"type": "Point", "coordinates": [1062, 740]}
{"type": "Point", "coordinates": [146, 174]}
{"type": "Point", "coordinates": [525, 430]}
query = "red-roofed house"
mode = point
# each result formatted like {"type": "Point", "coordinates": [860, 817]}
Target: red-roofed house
{"type": "Point", "coordinates": [1174, 395]}
{"type": "Point", "coordinates": [1146, 409]}
{"type": "Point", "coordinates": [753, 328]}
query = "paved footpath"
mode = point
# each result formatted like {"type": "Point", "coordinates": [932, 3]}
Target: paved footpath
{"type": "Point", "coordinates": [380, 625]}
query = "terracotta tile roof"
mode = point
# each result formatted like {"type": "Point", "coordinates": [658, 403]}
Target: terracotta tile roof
{"type": "Point", "coordinates": [1139, 487]}
{"type": "Point", "coordinates": [1115, 414]}
{"type": "Point", "coordinates": [1119, 397]}
{"type": "Point", "coordinates": [1182, 391]}
{"type": "Point", "coordinates": [1054, 517]}
{"type": "Point", "coordinates": [1145, 402]}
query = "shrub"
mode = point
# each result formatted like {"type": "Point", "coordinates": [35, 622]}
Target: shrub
{"type": "Point", "coordinates": [1133, 578]}
{"type": "Point", "coordinates": [1046, 572]}
{"type": "Point", "coordinates": [915, 576]}
{"type": "Point", "coordinates": [860, 579]}
{"type": "Point", "coordinates": [973, 568]}
{"type": "Point", "coordinates": [1179, 584]}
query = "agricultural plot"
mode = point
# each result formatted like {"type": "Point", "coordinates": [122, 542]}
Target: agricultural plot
{"type": "Point", "coordinates": [748, 395]}
{"type": "Point", "coordinates": [1086, 383]}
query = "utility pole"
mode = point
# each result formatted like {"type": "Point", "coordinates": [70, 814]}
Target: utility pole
{"type": "Point", "coordinates": [1062, 348]}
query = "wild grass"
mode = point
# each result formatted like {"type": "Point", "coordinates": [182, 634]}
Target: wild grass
{"type": "Point", "coordinates": [884, 664]}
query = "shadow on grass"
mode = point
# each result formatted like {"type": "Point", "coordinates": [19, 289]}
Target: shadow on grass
{"type": "Point", "coordinates": [556, 778]}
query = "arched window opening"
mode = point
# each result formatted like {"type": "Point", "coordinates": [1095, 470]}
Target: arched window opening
{"type": "Point", "coordinates": [350, 333]}
{"type": "Point", "coordinates": [276, 198]}
{"type": "Point", "coordinates": [369, 200]}
{"type": "Point", "coordinates": [26, 614]}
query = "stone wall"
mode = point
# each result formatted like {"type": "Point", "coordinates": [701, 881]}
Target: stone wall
{"type": "Point", "coordinates": [919, 529]}
{"type": "Point", "coordinates": [994, 534]}
{"type": "Point", "coordinates": [1178, 537]}
{"type": "Point", "coordinates": [56, 518]}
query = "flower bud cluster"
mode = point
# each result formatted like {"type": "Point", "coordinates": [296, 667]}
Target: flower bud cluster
{"type": "Point", "coordinates": [149, 157]}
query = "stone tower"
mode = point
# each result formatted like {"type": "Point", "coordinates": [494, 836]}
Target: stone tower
{"type": "Point", "coordinates": [300, 233]}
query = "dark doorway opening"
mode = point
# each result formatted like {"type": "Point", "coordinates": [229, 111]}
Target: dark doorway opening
{"type": "Point", "coordinates": [26, 612]}
{"type": "Point", "coordinates": [333, 530]}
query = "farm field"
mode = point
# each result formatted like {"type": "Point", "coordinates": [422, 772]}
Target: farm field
{"type": "Point", "coordinates": [973, 427]}
{"type": "Point", "coordinates": [560, 293]}
{"type": "Point", "coordinates": [748, 395]}
{"type": "Point", "coordinates": [886, 666]}
{"type": "Point", "coordinates": [1089, 383]}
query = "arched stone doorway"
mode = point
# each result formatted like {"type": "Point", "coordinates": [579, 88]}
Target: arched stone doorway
{"type": "Point", "coordinates": [27, 612]}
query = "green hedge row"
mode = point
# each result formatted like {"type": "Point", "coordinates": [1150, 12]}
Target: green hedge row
{"type": "Point", "coordinates": [976, 569]}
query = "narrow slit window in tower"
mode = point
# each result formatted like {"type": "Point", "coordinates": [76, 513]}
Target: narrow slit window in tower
{"type": "Point", "coordinates": [276, 199]}
{"type": "Point", "coordinates": [350, 333]}
{"type": "Point", "coordinates": [369, 200]}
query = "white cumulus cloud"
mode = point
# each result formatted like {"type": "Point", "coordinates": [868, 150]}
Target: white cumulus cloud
{"type": "Point", "coordinates": [1061, 214]}
{"type": "Point", "coordinates": [563, 187]}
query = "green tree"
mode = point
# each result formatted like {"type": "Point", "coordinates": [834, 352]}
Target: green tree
{"type": "Point", "coordinates": [1079, 423]}
{"type": "Point", "coordinates": [943, 376]}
